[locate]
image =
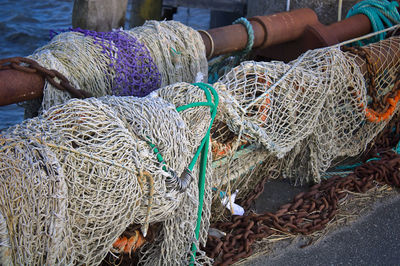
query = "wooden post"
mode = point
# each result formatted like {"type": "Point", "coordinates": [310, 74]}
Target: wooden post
{"type": "Point", "coordinates": [99, 15]}
{"type": "Point", "coordinates": [143, 10]}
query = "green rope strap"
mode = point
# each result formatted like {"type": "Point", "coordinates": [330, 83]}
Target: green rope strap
{"type": "Point", "coordinates": [202, 152]}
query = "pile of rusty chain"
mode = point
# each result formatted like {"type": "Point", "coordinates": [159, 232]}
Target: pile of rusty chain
{"type": "Point", "coordinates": [377, 105]}
{"type": "Point", "coordinates": [257, 191]}
{"type": "Point", "coordinates": [309, 212]}
{"type": "Point", "coordinates": [54, 77]}
{"type": "Point", "coordinates": [386, 140]}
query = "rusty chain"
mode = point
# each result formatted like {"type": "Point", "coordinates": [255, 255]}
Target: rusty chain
{"type": "Point", "coordinates": [257, 191]}
{"type": "Point", "coordinates": [54, 77]}
{"type": "Point", "coordinates": [309, 211]}
{"type": "Point", "coordinates": [386, 139]}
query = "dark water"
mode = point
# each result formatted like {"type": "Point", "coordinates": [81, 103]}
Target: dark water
{"type": "Point", "coordinates": [25, 26]}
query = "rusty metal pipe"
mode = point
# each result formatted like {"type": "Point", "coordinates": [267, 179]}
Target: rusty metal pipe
{"type": "Point", "coordinates": [318, 35]}
{"type": "Point", "coordinates": [383, 55]}
{"type": "Point", "coordinates": [285, 26]}
{"type": "Point", "coordinates": [17, 86]}
{"type": "Point", "coordinates": [268, 30]}
{"type": "Point", "coordinates": [350, 28]}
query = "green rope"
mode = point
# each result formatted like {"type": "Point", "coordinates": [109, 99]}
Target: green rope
{"type": "Point", "coordinates": [157, 153]}
{"type": "Point", "coordinates": [202, 151]}
{"type": "Point", "coordinates": [250, 33]}
{"type": "Point", "coordinates": [218, 64]}
{"type": "Point", "coordinates": [382, 14]}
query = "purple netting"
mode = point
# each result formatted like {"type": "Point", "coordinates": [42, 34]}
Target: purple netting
{"type": "Point", "coordinates": [136, 73]}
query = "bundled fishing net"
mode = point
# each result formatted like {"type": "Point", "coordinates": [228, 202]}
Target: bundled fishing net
{"type": "Point", "coordinates": [177, 50]}
{"type": "Point", "coordinates": [74, 178]}
{"type": "Point", "coordinates": [132, 62]}
{"type": "Point", "coordinates": [314, 109]}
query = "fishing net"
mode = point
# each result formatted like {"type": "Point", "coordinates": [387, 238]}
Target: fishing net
{"type": "Point", "coordinates": [132, 62]}
{"type": "Point", "coordinates": [74, 178]}
{"type": "Point", "coordinates": [177, 50]}
{"type": "Point", "coordinates": [314, 109]}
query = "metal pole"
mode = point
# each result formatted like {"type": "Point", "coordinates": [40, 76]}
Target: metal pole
{"type": "Point", "coordinates": [273, 30]}
{"type": "Point", "coordinates": [17, 86]}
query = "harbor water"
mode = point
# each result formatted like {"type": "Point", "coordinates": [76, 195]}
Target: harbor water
{"type": "Point", "coordinates": [25, 26]}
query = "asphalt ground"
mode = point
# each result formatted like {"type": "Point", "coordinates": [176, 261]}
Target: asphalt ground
{"type": "Point", "coordinates": [373, 239]}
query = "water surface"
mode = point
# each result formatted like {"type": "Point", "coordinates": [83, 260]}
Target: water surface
{"type": "Point", "coordinates": [25, 26]}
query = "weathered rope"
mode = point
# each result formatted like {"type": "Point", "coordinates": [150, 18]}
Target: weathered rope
{"type": "Point", "coordinates": [222, 64]}
{"type": "Point", "coordinates": [212, 102]}
{"type": "Point", "coordinates": [381, 13]}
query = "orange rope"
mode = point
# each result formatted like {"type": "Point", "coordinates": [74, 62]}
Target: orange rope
{"type": "Point", "coordinates": [375, 117]}
{"type": "Point", "coordinates": [129, 245]}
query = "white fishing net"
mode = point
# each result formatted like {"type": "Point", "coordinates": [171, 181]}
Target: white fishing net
{"type": "Point", "coordinates": [73, 179]}
{"type": "Point", "coordinates": [177, 51]}
{"type": "Point", "coordinates": [310, 111]}
{"type": "Point", "coordinates": [80, 61]}
{"type": "Point", "coordinates": [76, 177]}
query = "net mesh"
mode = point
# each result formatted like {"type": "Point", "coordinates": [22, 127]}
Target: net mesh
{"type": "Point", "coordinates": [76, 177]}
{"type": "Point", "coordinates": [131, 62]}
{"type": "Point", "coordinates": [72, 179]}
{"type": "Point", "coordinates": [177, 50]}
{"type": "Point", "coordinates": [310, 111]}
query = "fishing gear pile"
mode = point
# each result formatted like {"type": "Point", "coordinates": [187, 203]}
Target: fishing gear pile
{"type": "Point", "coordinates": [122, 62]}
{"type": "Point", "coordinates": [326, 104]}
{"type": "Point", "coordinates": [74, 178]}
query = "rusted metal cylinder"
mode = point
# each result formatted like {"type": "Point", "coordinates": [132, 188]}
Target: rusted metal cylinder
{"type": "Point", "coordinates": [285, 26]}
{"type": "Point", "coordinates": [17, 86]}
{"type": "Point", "coordinates": [230, 38]}
{"type": "Point", "coordinates": [350, 28]}
{"type": "Point", "coordinates": [268, 30]}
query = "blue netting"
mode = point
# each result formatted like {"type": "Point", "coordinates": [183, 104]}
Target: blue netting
{"type": "Point", "coordinates": [136, 72]}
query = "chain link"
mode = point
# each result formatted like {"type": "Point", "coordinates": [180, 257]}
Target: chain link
{"type": "Point", "coordinates": [54, 77]}
{"type": "Point", "coordinates": [309, 211]}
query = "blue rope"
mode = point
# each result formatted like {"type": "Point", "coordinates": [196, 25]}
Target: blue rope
{"type": "Point", "coordinates": [250, 34]}
{"type": "Point", "coordinates": [220, 63]}
{"type": "Point", "coordinates": [338, 169]}
{"type": "Point", "coordinates": [382, 14]}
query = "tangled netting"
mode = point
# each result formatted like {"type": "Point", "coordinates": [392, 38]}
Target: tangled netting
{"type": "Point", "coordinates": [72, 179]}
{"type": "Point", "coordinates": [135, 72]}
{"type": "Point", "coordinates": [122, 62]}
{"type": "Point", "coordinates": [312, 110]}
{"type": "Point", "coordinates": [178, 50]}
{"type": "Point", "coordinates": [76, 177]}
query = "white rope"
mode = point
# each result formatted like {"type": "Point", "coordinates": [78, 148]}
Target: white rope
{"type": "Point", "coordinates": [367, 36]}
{"type": "Point", "coordinates": [340, 4]}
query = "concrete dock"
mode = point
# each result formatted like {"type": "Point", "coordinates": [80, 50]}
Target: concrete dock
{"type": "Point", "coordinates": [373, 239]}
